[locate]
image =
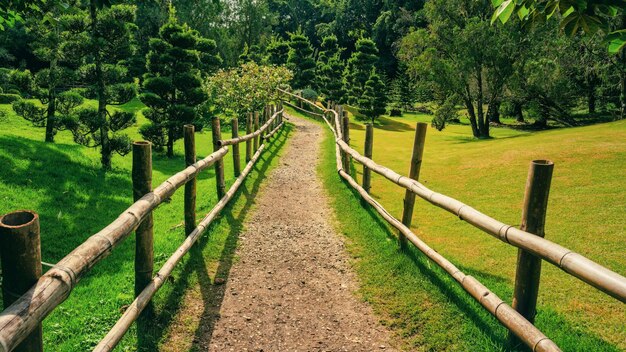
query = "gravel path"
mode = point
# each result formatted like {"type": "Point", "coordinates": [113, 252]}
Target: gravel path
{"type": "Point", "coordinates": [292, 288]}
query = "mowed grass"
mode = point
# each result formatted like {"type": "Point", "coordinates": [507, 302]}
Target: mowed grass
{"type": "Point", "coordinates": [64, 184]}
{"type": "Point", "coordinates": [427, 309]}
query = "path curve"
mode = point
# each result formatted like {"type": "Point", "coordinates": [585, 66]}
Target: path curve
{"type": "Point", "coordinates": [292, 288]}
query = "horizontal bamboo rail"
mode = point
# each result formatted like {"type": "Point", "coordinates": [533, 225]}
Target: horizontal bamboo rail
{"type": "Point", "coordinates": [115, 335]}
{"type": "Point", "coordinates": [252, 135]}
{"type": "Point", "coordinates": [272, 132]}
{"type": "Point", "coordinates": [301, 109]}
{"type": "Point", "coordinates": [573, 263]}
{"type": "Point", "coordinates": [18, 320]}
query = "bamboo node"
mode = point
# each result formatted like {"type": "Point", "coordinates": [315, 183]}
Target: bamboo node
{"type": "Point", "coordinates": [563, 257]}
{"type": "Point", "coordinates": [458, 212]}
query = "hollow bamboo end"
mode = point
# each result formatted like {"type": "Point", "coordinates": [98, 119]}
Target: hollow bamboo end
{"type": "Point", "coordinates": [540, 163]}
{"type": "Point", "coordinates": [189, 127]}
{"type": "Point", "coordinates": [18, 219]}
{"type": "Point", "coordinates": [141, 145]}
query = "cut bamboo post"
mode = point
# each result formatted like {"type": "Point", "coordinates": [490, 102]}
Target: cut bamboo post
{"type": "Point", "coordinates": [256, 127]}
{"type": "Point", "coordinates": [528, 270]}
{"type": "Point", "coordinates": [20, 250]}
{"type": "Point", "coordinates": [346, 138]}
{"type": "Point", "coordinates": [190, 187]}
{"type": "Point", "coordinates": [219, 165]}
{"type": "Point", "coordinates": [414, 172]}
{"type": "Point", "coordinates": [248, 142]}
{"type": "Point", "coordinates": [236, 156]}
{"type": "Point", "coordinates": [369, 144]}
{"type": "Point", "coordinates": [144, 238]}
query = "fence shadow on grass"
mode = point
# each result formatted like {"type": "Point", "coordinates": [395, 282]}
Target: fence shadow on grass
{"type": "Point", "coordinates": [213, 294]}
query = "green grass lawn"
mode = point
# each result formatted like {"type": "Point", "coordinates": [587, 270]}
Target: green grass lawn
{"type": "Point", "coordinates": [64, 184]}
{"type": "Point", "coordinates": [427, 309]}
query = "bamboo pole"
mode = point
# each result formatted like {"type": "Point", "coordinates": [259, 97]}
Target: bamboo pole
{"type": "Point", "coordinates": [272, 132]}
{"type": "Point", "coordinates": [144, 238]}
{"type": "Point", "coordinates": [250, 135]}
{"type": "Point", "coordinates": [303, 109]}
{"type": "Point", "coordinates": [528, 271]}
{"type": "Point", "coordinates": [190, 187]}
{"type": "Point", "coordinates": [573, 263]}
{"type": "Point", "coordinates": [236, 156]}
{"type": "Point", "coordinates": [115, 335]}
{"type": "Point", "coordinates": [248, 141]}
{"type": "Point", "coordinates": [25, 314]}
{"type": "Point", "coordinates": [369, 145]}
{"type": "Point", "coordinates": [219, 165]}
{"type": "Point", "coordinates": [20, 252]}
{"type": "Point", "coordinates": [414, 172]}
{"type": "Point", "coordinates": [256, 130]}
{"type": "Point", "coordinates": [346, 138]}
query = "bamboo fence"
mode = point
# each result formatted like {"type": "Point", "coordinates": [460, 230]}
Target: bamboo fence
{"type": "Point", "coordinates": [531, 245]}
{"type": "Point", "coordinates": [21, 320]}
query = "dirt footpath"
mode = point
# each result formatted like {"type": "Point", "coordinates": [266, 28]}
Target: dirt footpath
{"type": "Point", "coordinates": [292, 288]}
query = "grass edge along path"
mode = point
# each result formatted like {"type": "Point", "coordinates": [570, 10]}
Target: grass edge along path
{"type": "Point", "coordinates": [419, 302]}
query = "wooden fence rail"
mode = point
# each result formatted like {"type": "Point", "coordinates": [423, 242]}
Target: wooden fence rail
{"type": "Point", "coordinates": [21, 319]}
{"type": "Point", "coordinates": [532, 246]}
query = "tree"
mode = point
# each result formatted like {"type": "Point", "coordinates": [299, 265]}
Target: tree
{"type": "Point", "coordinates": [359, 68]}
{"type": "Point", "coordinates": [101, 42]}
{"type": "Point", "coordinates": [50, 83]}
{"type": "Point", "coordinates": [403, 95]}
{"type": "Point", "coordinates": [245, 89]}
{"type": "Point", "coordinates": [329, 69]}
{"type": "Point", "coordinates": [462, 54]}
{"type": "Point", "coordinates": [372, 102]}
{"type": "Point", "coordinates": [173, 85]}
{"type": "Point", "coordinates": [300, 60]}
{"type": "Point", "coordinates": [277, 51]}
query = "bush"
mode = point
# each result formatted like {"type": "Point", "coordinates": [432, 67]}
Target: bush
{"type": "Point", "coordinates": [9, 98]}
{"type": "Point", "coordinates": [309, 94]}
{"type": "Point", "coordinates": [395, 112]}
{"type": "Point", "coordinates": [14, 91]}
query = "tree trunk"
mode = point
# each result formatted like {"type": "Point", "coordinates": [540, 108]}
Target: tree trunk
{"type": "Point", "coordinates": [472, 117]}
{"type": "Point", "coordinates": [105, 143]}
{"type": "Point", "coordinates": [591, 100]}
{"type": "Point", "coordinates": [50, 118]}
{"type": "Point", "coordinates": [493, 112]}
{"type": "Point", "coordinates": [483, 125]}
{"type": "Point", "coordinates": [170, 142]}
{"type": "Point", "coordinates": [517, 110]}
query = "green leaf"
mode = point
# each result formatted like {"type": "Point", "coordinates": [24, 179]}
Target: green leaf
{"type": "Point", "coordinates": [523, 12]}
{"type": "Point", "coordinates": [616, 41]}
{"type": "Point", "coordinates": [504, 11]}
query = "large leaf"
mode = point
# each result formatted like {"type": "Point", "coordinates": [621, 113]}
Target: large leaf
{"type": "Point", "coordinates": [504, 11]}
{"type": "Point", "coordinates": [616, 41]}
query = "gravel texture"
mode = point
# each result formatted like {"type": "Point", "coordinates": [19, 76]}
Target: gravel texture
{"type": "Point", "coordinates": [292, 288]}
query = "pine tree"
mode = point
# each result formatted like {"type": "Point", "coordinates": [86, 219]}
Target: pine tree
{"type": "Point", "coordinates": [300, 60]}
{"type": "Point", "coordinates": [372, 102]}
{"type": "Point", "coordinates": [173, 84]}
{"type": "Point", "coordinates": [359, 68]}
{"type": "Point", "coordinates": [278, 51]}
{"type": "Point", "coordinates": [330, 68]}
{"type": "Point", "coordinates": [102, 42]}
{"type": "Point", "coordinates": [51, 83]}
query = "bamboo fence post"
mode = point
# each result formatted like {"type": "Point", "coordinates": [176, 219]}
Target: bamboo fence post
{"type": "Point", "coordinates": [256, 127]}
{"type": "Point", "coordinates": [20, 251]}
{"type": "Point", "coordinates": [369, 144]}
{"type": "Point", "coordinates": [248, 142]}
{"type": "Point", "coordinates": [346, 138]}
{"type": "Point", "coordinates": [219, 165]}
{"type": "Point", "coordinates": [190, 187]}
{"type": "Point", "coordinates": [414, 172]}
{"type": "Point", "coordinates": [236, 156]}
{"type": "Point", "coordinates": [528, 271]}
{"type": "Point", "coordinates": [144, 237]}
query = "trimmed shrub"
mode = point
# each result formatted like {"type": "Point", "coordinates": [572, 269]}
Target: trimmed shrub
{"type": "Point", "coordinates": [9, 98]}
{"type": "Point", "coordinates": [396, 112]}
{"type": "Point", "coordinates": [309, 94]}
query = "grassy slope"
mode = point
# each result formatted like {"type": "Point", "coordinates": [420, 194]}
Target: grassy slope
{"type": "Point", "coordinates": [64, 184]}
{"type": "Point", "coordinates": [427, 309]}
